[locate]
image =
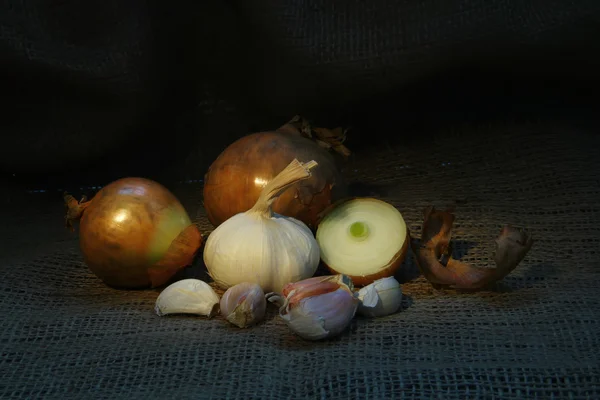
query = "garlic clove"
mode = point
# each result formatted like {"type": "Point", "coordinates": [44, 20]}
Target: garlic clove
{"type": "Point", "coordinates": [381, 298]}
{"type": "Point", "coordinates": [322, 316]}
{"type": "Point", "coordinates": [244, 304]}
{"type": "Point", "coordinates": [316, 309]}
{"type": "Point", "coordinates": [188, 296]}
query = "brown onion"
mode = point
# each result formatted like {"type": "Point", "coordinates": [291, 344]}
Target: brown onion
{"type": "Point", "coordinates": [134, 233]}
{"type": "Point", "coordinates": [235, 179]}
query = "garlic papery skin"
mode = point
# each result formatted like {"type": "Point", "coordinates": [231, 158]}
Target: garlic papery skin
{"type": "Point", "coordinates": [244, 304]}
{"type": "Point", "coordinates": [188, 296]}
{"type": "Point", "coordinates": [320, 309]}
{"type": "Point", "coordinates": [262, 247]}
{"type": "Point", "coordinates": [381, 298]}
{"type": "Point", "coordinates": [302, 286]}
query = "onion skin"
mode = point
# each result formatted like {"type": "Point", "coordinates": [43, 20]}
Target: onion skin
{"type": "Point", "coordinates": [511, 246]}
{"type": "Point", "coordinates": [235, 179]}
{"type": "Point", "coordinates": [134, 233]}
{"type": "Point", "coordinates": [392, 268]}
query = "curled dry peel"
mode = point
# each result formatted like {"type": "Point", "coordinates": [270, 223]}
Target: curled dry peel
{"type": "Point", "coordinates": [435, 260]}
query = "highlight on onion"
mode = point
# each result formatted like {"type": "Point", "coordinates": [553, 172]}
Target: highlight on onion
{"type": "Point", "coordinates": [363, 238]}
{"type": "Point", "coordinates": [134, 233]}
{"type": "Point", "coordinates": [236, 178]}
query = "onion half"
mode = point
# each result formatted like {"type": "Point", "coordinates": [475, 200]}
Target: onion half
{"type": "Point", "coordinates": [364, 238]}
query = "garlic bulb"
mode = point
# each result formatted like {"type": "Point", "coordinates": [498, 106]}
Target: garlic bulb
{"type": "Point", "coordinates": [263, 247]}
{"type": "Point", "coordinates": [188, 296]}
{"type": "Point", "coordinates": [380, 298]}
{"type": "Point", "coordinates": [318, 309]}
{"type": "Point", "coordinates": [244, 304]}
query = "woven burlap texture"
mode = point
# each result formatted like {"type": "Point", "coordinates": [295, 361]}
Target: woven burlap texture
{"type": "Point", "coordinates": [99, 74]}
{"type": "Point", "coordinates": [535, 336]}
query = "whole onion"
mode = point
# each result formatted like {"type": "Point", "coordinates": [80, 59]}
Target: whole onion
{"type": "Point", "coordinates": [134, 233]}
{"type": "Point", "coordinates": [235, 179]}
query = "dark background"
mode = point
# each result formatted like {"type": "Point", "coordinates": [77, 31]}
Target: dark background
{"type": "Point", "coordinates": [97, 90]}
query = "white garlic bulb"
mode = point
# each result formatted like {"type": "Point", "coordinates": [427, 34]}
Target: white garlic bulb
{"type": "Point", "coordinates": [244, 304]}
{"type": "Point", "coordinates": [188, 296]}
{"type": "Point", "coordinates": [263, 247]}
{"type": "Point", "coordinates": [380, 298]}
{"type": "Point", "coordinates": [317, 308]}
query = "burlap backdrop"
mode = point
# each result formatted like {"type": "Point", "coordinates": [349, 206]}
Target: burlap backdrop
{"type": "Point", "coordinates": [65, 335]}
{"type": "Point", "coordinates": [101, 83]}
{"type": "Point", "coordinates": [81, 85]}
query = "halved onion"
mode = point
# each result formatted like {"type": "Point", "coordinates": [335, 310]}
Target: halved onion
{"type": "Point", "coordinates": [364, 238]}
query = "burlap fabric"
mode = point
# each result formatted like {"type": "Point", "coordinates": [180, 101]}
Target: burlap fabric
{"type": "Point", "coordinates": [65, 335]}
{"type": "Point", "coordinates": [85, 81]}
{"type": "Point", "coordinates": [86, 85]}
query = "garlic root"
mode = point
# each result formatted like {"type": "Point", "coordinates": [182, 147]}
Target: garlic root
{"type": "Point", "coordinates": [511, 247]}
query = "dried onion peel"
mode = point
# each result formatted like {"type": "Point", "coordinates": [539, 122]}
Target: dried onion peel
{"type": "Point", "coordinates": [511, 247]}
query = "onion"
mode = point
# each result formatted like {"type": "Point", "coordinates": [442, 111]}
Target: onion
{"type": "Point", "coordinates": [363, 238]}
{"type": "Point", "coordinates": [134, 233]}
{"type": "Point", "coordinates": [236, 178]}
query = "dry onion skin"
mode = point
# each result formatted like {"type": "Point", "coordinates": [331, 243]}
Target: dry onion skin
{"type": "Point", "coordinates": [134, 233]}
{"type": "Point", "coordinates": [434, 254]}
{"type": "Point", "coordinates": [363, 238]}
{"type": "Point", "coordinates": [236, 178]}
